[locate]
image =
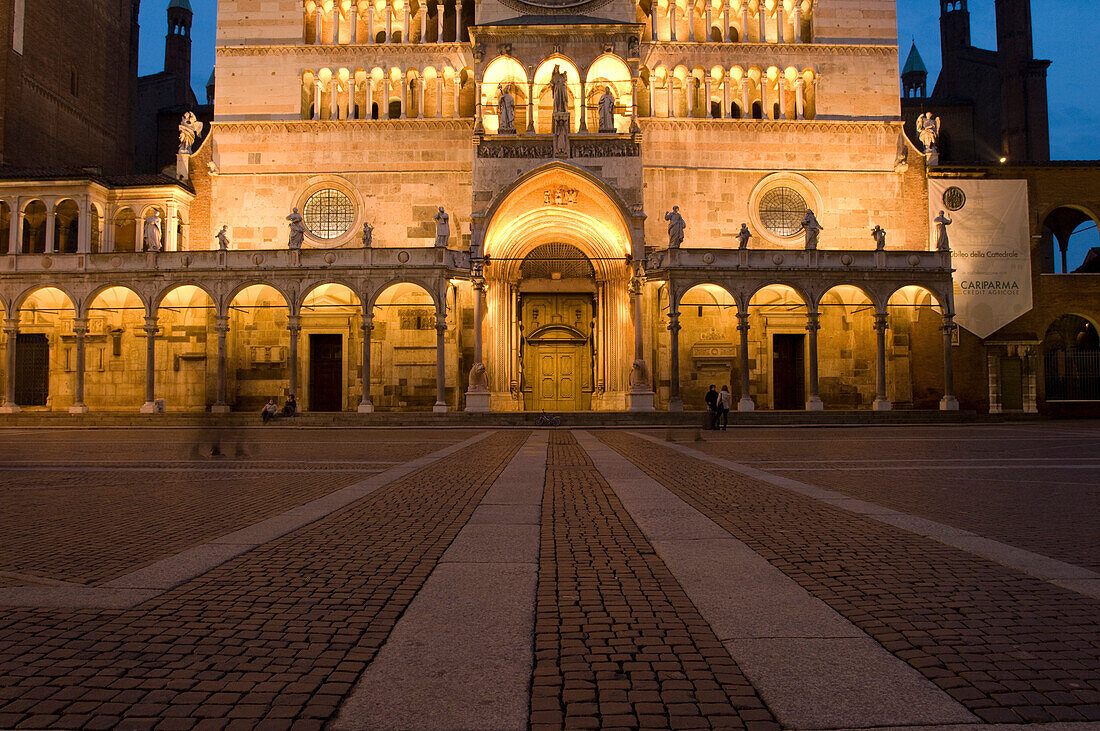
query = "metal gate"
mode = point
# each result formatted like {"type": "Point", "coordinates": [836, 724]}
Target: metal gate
{"type": "Point", "coordinates": [1073, 375]}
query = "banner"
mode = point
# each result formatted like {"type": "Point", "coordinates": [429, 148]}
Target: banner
{"type": "Point", "coordinates": [990, 249]}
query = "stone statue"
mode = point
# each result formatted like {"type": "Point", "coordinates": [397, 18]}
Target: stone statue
{"type": "Point", "coordinates": [557, 86]}
{"type": "Point", "coordinates": [639, 377]}
{"type": "Point", "coordinates": [878, 233]}
{"type": "Point", "coordinates": [632, 47]}
{"type": "Point", "coordinates": [190, 128]}
{"type": "Point", "coordinates": [743, 236]}
{"type": "Point", "coordinates": [812, 229]}
{"type": "Point", "coordinates": [478, 381]}
{"type": "Point", "coordinates": [297, 229]}
{"type": "Point", "coordinates": [223, 239]}
{"type": "Point", "coordinates": [928, 129]}
{"type": "Point", "coordinates": [676, 227]}
{"type": "Point", "coordinates": [607, 111]}
{"type": "Point", "coordinates": [152, 232]}
{"type": "Point", "coordinates": [507, 111]}
{"type": "Point", "coordinates": [942, 222]}
{"type": "Point", "coordinates": [368, 235]}
{"type": "Point", "coordinates": [442, 227]}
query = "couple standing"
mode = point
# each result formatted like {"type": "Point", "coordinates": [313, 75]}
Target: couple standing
{"type": "Point", "coordinates": [719, 404]}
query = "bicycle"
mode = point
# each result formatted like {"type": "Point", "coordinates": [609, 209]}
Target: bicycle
{"type": "Point", "coordinates": [546, 419]}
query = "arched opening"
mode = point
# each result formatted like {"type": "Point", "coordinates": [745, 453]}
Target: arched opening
{"type": "Point", "coordinates": [777, 343]}
{"type": "Point", "coordinates": [66, 230]}
{"type": "Point", "coordinates": [258, 358]}
{"type": "Point", "coordinates": [187, 361]}
{"type": "Point", "coordinates": [125, 234]}
{"type": "Point", "coordinates": [96, 225]}
{"type": "Point", "coordinates": [1069, 237]}
{"type": "Point", "coordinates": [5, 226]}
{"type": "Point", "coordinates": [544, 95]}
{"type": "Point", "coordinates": [154, 229]}
{"type": "Point", "coordinates": [708, 345]}
{"type": "Point", "coordinates": [504, 74]}
{"type": "Point", "coordinates": [331, 320]}
{"type": "Point", "coordinates": [558, 241]}
{"type": "Point", "coordinates": [403, 350]}
{"type": "Point", "coordinates": [45, 350]}
{"type": "Point", "coordinates": [1071, 359]}
{"type": "Point", "coordinates": [34, 227]}
{"type": "Point", "coordinates": [309, 90]}
{"type": "Point", "coordinates": [914, 349]}
{"type": "Point", "coordinates": [611, 73]}
{"type": "Point", "coordinates": [115, 347]}
{"type": "Point", "coordinates": [846, 348]}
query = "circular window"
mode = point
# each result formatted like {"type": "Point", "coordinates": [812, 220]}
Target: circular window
{"type": "Point", "coordinates": [329, 213]}
{"type": "Point", "coordinates": [781, 210]}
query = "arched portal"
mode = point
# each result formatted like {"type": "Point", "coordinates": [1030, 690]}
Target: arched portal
{"type": "Point", "coordinates": [187, 372]}
{"type": "Point", "coordinates": [404, 350]}
{"type": "Point", "coordinates": [777, 321]}
{"type": "Point", "coordinates": [914, 348]}
{"type": "Point", "coordinates": [708, 349]}
{"type": "Point", "coordinates": [262, 363]}
{"type": "Point", "coordinates": [44, 356]}
{"type": "Point", "coordinates": [331, 317]}
{"type": "Point", "coordinates": [116, 344]}
{"type": "Point", "coordinates": [559, 319]}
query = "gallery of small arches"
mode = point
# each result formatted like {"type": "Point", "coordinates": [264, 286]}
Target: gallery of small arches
{"type": "Point", "coordinates": [69, 226]}
{"type": "Point", "coordinates": [351, 22]}
{"type": "Point", "coordinates": [763, 91]}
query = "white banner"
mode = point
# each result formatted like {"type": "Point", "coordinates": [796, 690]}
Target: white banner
{"type": "Point", "coordinates": [990, 249]}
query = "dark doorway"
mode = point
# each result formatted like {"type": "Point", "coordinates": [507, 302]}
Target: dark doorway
{"type": "Point", "coordinates": [788, 378]}
{"type": "Point", "coordinates": [325, 365]}
{"type": "Point", "coordinates": [32, 369]}
{"type": "Point", "coordinates": [1012, 384]}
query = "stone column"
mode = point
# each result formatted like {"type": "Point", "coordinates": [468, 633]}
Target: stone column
{"type": "Point", "coordinates": [640, 396]}
{"type": "Point", "coordinates": [316, 99]}
{"type": "Point", "coordinates": [389, 21]}
{"type": "Point", "coordinates": [531, 101]}
{"type": "Point", "coordinates": [84, 228]}
{"type": "Point", "coordinates": [439, 28]}
{"type": "Point", "coordinates": [881, 402]}
{"type": "Point", "coordinates": [653, 21]}
{"type": "Point", "coordinates": [336, 23]}
{"type": "Point", "coordinates": [457, 95]}
{"type": "Point", "coordinates": [799, 99]}
{"type": "Point", "coordinates": [706, 95]}
{"type": "Point", "coordinates": [477, 396]}
{"type": "Point", "coordinates": [221, 327]}
{"type": "Point", "coordinates": [15, 222]}
{"type": "Point", "coordinates": [672, 21]}
{"type": "Point", "coordinates": [948, 402]}
{"type": "Point", "coordinates": [744, 21]}
{"type": "Point", "coordinates": [765, 113]}
{"type": "Point", "coordinates": [746, 403]}
{"type": "Point", "coordinates": [796, 21]}
{"type": "Point", "coordinates": [746, 110]}
{"type": "Point", "coordinates": [423, 86]}
{"type": "Point", "coordinates": [584, 111]}
{"type": "Point", "coordinates": [726, 20]}
{"type": "Point", "coordinates": [294, 326]}
{"type": "Point", "coordinates": [668, 88]}
{"type": "Point", "coordinates": [404, 95]}
{"type": "Point", "coordinates": [423, 22]}
{"type": "Point", "coordinates": [440, 406]}
{"type": "Point", "coordinates": [707, 21]}
{"type": "Point", "coordinates": [318, 27]}
{"type": "Point", "coordinates": [51, 225]}
{"type": "Point", "coordinates": [458, 21]}
{"type": "Point", "coordinates": [439, 96]}
{"type": "Point", "coordinates": [477, 103]}
{"type": "Point", "coordinates": [405, 22]}
{"type": "Point", "coordinates": [370, 22]}
{"type": "Point", "coordinates": [169, 229]}
{"type": "Point", "coordinates": [652, 96]}
{"type": "Point", "coordinates": [150, 405]}
{"type": "Point", "coordinates": [779, 21]}
{"type": "Point", "coordinates": [762, 17]}
{"type": "Point", "coordinates": [354, 19]}
{"type": "Point", "coordinates": [725, 95]}
{"type": "Point", "coordinates": [366, 405]}
{"type": "Point", "coordinates": [11, 328]}
{"type": "Point", "coordinates": [813, 324]}
{"type": "Point", "coordinates": [689, 14]}
{"type": "Point", "coordinates": [675, 403]}
{"type": "Point", "coordinates": [334, 99]}
{"type": "Point", "coordinates": [80, 329]}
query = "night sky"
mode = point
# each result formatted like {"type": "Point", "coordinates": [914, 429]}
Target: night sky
{"type": "Point", "coordinates": [1064, 32]}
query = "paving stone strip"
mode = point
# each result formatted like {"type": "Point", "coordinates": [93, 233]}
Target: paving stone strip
{"type": "Point", "coordinates": [461, 655]}
{"type": "Point", "coordinates": [272, 639]}
{"type": "Point", "coordinates": [618, 644]}
{"type": "Point", "coordinates": [1008, 646]}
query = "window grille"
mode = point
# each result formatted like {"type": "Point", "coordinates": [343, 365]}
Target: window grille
{"type": "Point", "coordinates": [328, 214]}
{"type": "Point", "coordinates": [781, 211]}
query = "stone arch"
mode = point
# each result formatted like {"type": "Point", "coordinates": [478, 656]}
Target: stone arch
{"type": "Point", "coordinates": [1071, 359]}
{"type": "Point", "coordinates": [45, 315]}
{"type": "Point", "coordinates": [503, 72]}
{"type": "Point", "coordinates": [682, 288]}
{"type": "Point", "coordinates": [33, 217]}
{"type": "Point", "coordinates": [124, 231]}
{"type": "Point", "coordinates": [159, 299]}
{"type": "Point", "coordinates": [309, 84]}
{"type": "Point", "coordinates": [912, 295]}
{"type": "Point", "coordinates": [782, 289]}
{"type": "Point", "coordinates": [7, 220]}
{"type": "Point", "coordinates": [544, 104]}
{"type": "Point", "coordinates": [844, 293]}
{"type": "Point", "coordinates": [914, 346]}
{"type": "Point", "coordinates": [1060, 228]}
{"type": "Point", "coordinates": [66, 230]}
{"type": "Point", "coordinates": [847, 345]}
{"type": "Point", "coordinates": [26, 294]}
{"type": "Point", "coordinates": [113, 293]}
{"type": "Point", "coordinates": [372, 300]}
{"type": "Point", "coordinates": [228, 300]}
{"type": "Point", "coordinates": [597, 222]}
{"type": "Point", "coordinates": [608, 70]}
{"type": "Point", "coordinates": [311, 289]}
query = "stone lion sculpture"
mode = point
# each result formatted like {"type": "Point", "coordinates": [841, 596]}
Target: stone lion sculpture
{"type": "Point", "coordinates": [639, 376]}
{"type": "Point", "coordinates": [478, 381]}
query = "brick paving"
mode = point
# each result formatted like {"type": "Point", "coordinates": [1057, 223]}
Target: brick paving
{"type": "Point", "coordinates": [1009, 647]}
{"type": "Point", "coordinates": [618, 644]}
{"type": "Point", "coordinates": [108, 509]}
{"type": "Point", "coordinates": [1027, 485]}
{"type": "Point", "coordinates": [272, 639]}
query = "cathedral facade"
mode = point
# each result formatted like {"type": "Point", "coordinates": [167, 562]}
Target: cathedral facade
{"type": "Point", "coordinates": [510, 205]}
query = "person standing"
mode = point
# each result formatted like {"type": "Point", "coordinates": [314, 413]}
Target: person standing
{"type": "Point", "coordinates": [725, 403]}
{"type": "Point", "coordinates": [712, 408]}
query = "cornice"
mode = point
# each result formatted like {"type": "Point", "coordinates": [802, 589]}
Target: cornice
{"type": "Point", "coordinates": [796, 126]}
{"type": "Point", "coordinates": [359, 50]}
{"type": "Point", "coordinates": [813, 50]}
{"type": "Point", "coordinates": [306, 125]}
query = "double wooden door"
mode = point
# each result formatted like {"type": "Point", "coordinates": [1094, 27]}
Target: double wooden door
{"type": "Point", "coordinates": [557, 352]}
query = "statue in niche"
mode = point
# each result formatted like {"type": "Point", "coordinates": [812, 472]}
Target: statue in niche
{"type": "Point", "coordinates": [442, 228]}
{"type": "Point", "coordinates": [676, 226]}
{"type": "Point", "coordinates": [152, 232]}
{"type": "Point", "coordinates": [558, 81]}
{"type": "Point", "coordinates": [878, 233]}
{"type": "Point", "coordinates": [632, 47]}
{"type": "Point", "coordinates": [928, 129]}
{"type": "Point", "coordinates": [743, 236]}
{"type": "Point", "coordinates": [639, 377]}
{"type": "Point", "coordinates": [607, 111]}
{"type": "Point", "coordinates": [223, 239]}
{"type": "Point", "coordinates": [190, 128]}
{"type": "Point", "coordinates": [812, 228]}
{"type": "Point", "coordinates": [507, 111]}
{"type": "Point", "coordinates": [942, 222]}
{"type": "Point", "coordinates": [297, 229]}
{"type": "Point", "coordinates": [478, 382]}
{"type": "Point", "coordinates": [368, 235]}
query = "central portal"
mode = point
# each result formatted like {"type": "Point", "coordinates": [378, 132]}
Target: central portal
{"type": "Point", "coordinates": [557, 351]}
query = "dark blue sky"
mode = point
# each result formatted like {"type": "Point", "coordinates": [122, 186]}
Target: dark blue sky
{"type": "Point", "coordinates": [1065, 32]}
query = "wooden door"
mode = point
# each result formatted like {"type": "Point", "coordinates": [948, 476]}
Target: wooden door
{"type": "Point", "coordinates": [32, 369]}
{"type": "Point", "coordinates": [557, 367]}
{"type": "Point", "coordinates": [325, 367]}
{"type": "Point", "coordinates": [788, 378]}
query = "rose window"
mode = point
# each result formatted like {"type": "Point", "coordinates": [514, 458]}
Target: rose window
{"type": "Point", "coordinates": [328, 214]}
{"type": "Point", "coordinates": [781, 211]}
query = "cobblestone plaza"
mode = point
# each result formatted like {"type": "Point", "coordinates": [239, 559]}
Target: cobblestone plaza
{"type": "Point", "coordinates": [773, 577]}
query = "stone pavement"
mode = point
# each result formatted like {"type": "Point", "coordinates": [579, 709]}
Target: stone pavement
{"type": "Point", "coordinates": [473, 579]}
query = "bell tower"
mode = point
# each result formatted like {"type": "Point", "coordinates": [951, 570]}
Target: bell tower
{"type": "Point", "coordinates": [177, 49]}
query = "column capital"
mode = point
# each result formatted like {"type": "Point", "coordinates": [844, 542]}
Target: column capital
{"type": "Point", "coordinates": [294, 322]}
{"type": "Point", "coordinates": [440, 327]}
{"type": "Point", "coordinates": [368, 324]}
{"type": "Point", "coordinates": [881, 321]}
{"type": "Point", "coordinates": [11, 325]}
{"type": "Point", "coordinates": [813, 321]}
{"type": "Point", "coordinates": [80, 327]}
{"type": "Point", "coordinates": [743, 321]}
{"type": "Point", "coordinates": [151, 323]}
{"type": "Point", "coordinates": [221, 323]}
